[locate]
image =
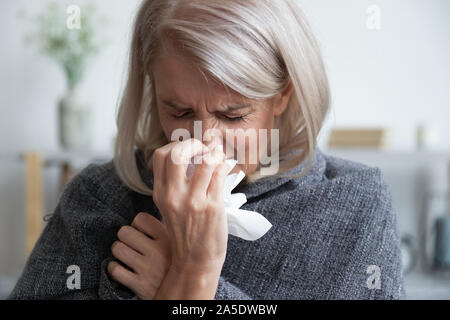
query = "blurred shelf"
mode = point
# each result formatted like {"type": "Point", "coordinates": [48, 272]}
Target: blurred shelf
{"type": "Point", "coordinates": [427, 286]}
{"type": "Point", "coordinates": [59, 157]}
{"type": "Point", "coordinates": [387, 152]}
{"type": "Point", "coordinates": [6, 286]}
{"type": "Point", "coordinates": [391, 158]}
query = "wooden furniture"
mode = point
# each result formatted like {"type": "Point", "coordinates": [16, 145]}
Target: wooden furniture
{"type": "Point", "coordinates": [359, 138]}
{"type": "Point", "coordinates": [35, 162]}
{"type": "Point", "coordinates": [33, 199]}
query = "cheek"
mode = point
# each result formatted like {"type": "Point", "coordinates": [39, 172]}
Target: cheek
{"type": "Point", "coordinates": [166, 124]}
{"type": "Point", "coordinates": [267, 121]}
{"type": "Point", "coordinates": [262, 119]}
{"type": "Point", "coordinates": [169, 125]}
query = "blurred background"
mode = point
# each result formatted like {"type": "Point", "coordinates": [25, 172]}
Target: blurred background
{"type": "Point", "coordinates": [63, 68]}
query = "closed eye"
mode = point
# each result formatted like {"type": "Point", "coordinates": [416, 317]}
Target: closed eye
{"type": "Point", "coordinates": [232, 119]}
{"type": "Point", "coordinates": [182, 115]}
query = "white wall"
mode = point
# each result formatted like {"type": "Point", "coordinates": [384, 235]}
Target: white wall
{"type": "Point", "coordinates": [395, 77]}
{"type": "Point", "coordinates": [30, 86]}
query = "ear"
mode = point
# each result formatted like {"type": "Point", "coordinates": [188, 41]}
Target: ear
{"type": "Point", "coordinates": [281, 100]}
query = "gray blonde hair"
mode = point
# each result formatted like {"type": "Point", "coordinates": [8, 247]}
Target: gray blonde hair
{"type": "Point", "coordinates": [255, 47]}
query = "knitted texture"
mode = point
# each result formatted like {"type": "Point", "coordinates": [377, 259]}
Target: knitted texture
{"type": "Point", "coordinates": [329, 227]}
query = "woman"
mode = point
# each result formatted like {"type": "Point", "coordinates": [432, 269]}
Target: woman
{"type": "Point", "coordinates": [139, 228]}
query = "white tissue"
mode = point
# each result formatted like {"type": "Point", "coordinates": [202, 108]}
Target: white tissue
{"type": "Point", "coordinates": [245, 224]}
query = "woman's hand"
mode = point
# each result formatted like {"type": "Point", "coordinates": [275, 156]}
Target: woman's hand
{"type": "Point", "coordinates": [149, 258]}
{"type": "Point", "coordinates": [193, 210]}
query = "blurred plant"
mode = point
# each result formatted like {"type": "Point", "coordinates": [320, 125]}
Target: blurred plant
{"type": "Point", "coordinates": [70, 47]}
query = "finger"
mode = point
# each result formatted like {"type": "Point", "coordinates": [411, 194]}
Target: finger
{"type": "Point", "coordinates": [149, 225]}
{"type": "Point", "coordinates": [179, 159]}
{"type": "Point", "coordinates": [127, 255]}
{"type": "Point", "coordinates": [135, 239]}
{"type": "Point", "coordinates": [204, 171]}
{"type": "Point", "coordinates": [215, 189]}
{"type": "Point", "coordinates": [122, 275]}
{"type": "Point", "coordinates": [159, 164]}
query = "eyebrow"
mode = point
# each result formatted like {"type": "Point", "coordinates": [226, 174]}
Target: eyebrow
{"type": "Point", "coordinates": [175, 106]}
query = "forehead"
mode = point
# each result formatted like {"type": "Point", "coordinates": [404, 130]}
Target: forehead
{"type": "Point", "coordinates": [176, 78]}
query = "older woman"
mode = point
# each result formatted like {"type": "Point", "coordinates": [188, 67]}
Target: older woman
{"type": "Point", "coordinates": [139, 228]}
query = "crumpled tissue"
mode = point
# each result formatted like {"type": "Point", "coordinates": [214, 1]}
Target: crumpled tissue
{"type": "Point", "coordinates": [245, 224]}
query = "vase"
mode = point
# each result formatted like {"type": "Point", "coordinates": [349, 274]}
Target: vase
{"type": "Point", "coordinates": [442, 244]}
{"type": "Point", "coordinates": [75, 122]}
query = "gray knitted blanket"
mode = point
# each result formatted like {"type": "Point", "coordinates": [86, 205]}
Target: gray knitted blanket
{"type": "Point", "coordinates": [334, 236]}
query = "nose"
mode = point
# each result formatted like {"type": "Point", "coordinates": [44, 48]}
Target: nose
{"type": "Point", "coordinates": [212, 135]}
